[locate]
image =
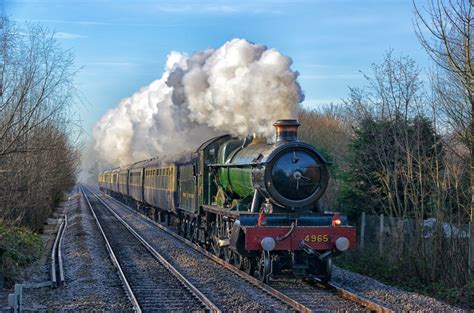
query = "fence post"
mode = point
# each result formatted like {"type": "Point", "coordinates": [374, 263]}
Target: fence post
{"type": "Point", "coordinates": [19, 296]}
{"type": "Point", "coordinates": [471, 248]}
{"type": "Point", "coordinates": [13, 303]}
{"type": "Point", "coordinates": [362, 231]}
{"type": "Point", "coordinates": [381, 234]}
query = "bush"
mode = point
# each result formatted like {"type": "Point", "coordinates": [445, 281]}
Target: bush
{"type": "Point", "coordinates": [19, 247]}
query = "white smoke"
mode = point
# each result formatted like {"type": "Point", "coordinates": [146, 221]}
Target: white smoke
{"type": "Point", "coordinates": [240, 88]}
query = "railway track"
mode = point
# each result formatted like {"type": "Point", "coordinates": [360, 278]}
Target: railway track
{"type": "Point", "coordinates": [57, 269]}
{"type": "Point", "coordinates": [151, 282]}
{"type": "Point", "coordinates": [299, 295]}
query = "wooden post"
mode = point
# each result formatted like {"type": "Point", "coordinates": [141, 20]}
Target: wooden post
{"type": "Point", "coordinates": [362, 231]}
{"type": "Point", "coordinates": [381, 235]}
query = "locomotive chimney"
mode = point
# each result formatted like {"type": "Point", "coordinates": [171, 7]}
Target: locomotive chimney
{"type": "Point", "coordinates": [286, 130]}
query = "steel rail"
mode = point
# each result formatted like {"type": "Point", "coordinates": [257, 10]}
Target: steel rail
{"type": "Point", "coordinates": [62, 280]}
{"type": "Point", "coordinates": [54, 256]}
{"type": "Point", "coordinates": [372, 305]}
{"type": "Point", "coordinates": [208, 303]}
{"type": "Point", "coordinates": [128, 289]}
{"type": "Point", "coordinates": [252, 280]}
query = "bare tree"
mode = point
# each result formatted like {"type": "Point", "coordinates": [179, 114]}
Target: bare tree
{"type": "Point", "coordinates": [401, 167]}
{"type": "Point", "coordinates": [328, 130]}
{"type": "Point", "coordinates": [445, 29]}
{"type": "Point", "coordinates": [37, 161]}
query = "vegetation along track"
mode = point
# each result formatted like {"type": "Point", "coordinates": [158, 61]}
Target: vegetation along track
{"type": "Point", "coordinates": [150, 281]}
{"type": "Point", "coordinates": [297, 294]}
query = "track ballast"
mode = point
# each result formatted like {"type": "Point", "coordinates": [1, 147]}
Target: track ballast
{"type": "Point", "coordinates": [153, 283]}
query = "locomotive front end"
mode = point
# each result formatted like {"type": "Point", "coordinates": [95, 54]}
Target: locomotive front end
{"type": "Point", "coordinates": [294, 175]}
{"type": "Point", "coordinates": [281, 224]}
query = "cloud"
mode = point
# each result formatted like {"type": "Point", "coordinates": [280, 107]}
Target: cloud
{"type": "Point", "coordinates": [68, 36]}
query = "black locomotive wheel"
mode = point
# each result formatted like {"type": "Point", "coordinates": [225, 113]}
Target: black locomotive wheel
{"type": "Point", "coordinates": [238, 260]}
{"type": "Point", "coordinates": [184, 228]}
{"type": "Point", "coordinates": [326, 270]}
{"type": "Point", "coordinates": [248, 265]}
{"type": "Point", "coordinates": [190, 230]}
{"type": "Point", "coordinates": [228, 255]}
{"type": "Point", "coordinates": [263, 269]}
{"type": "Point", "coordinates": [180, 229]}
{"type": "Point", "coordinates": [217, 250]}
{"type": "Point", "coordinates": [195, 232]}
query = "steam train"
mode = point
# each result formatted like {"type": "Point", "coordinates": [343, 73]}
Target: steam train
{"type": "Point", "coordinates": [254, 204]}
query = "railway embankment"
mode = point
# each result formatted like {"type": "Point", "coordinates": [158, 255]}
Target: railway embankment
{"type": "Point", "coordinates": [400, 300]}
{"type": "Point", "coordinates": [90, 278]}
{"type": "Point", "coordinates": [366, 287]}
{"type": "Point", "coordinates": [92, 283]}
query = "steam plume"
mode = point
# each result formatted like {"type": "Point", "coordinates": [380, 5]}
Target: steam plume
{"type": "Point", "coordinates": [240, 88]}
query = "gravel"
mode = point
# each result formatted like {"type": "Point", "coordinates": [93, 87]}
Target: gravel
{"type": "Point", "coordinates": [154, 286]}
{"type": "Point", "coordinates": [227, 290]}
{"type": "Point", "coordinates": [91, 280]}
{"type": "Point", "coordinates": [370, 288]}
{"type": "Point", "coordinates": [221, 282]}
{"type": "Point", "coordinates": [393, 297]}
{"type": "Point", "coordinates": [93, 284]}
{"type": "Point", "coordinates": [314, 298]}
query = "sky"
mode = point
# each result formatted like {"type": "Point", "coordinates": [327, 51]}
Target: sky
{"type": "Point", "coordinates": [121, 46]}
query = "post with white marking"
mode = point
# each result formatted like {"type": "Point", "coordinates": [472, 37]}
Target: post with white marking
{"type": "Point", "coordinates": [13, 303]}
{"type": "Point", "coordinates": [381, 234]}
{"type": "Point", "coordinates": [19, 296]}
{"type": "Point", "coordinates": [362, 231]}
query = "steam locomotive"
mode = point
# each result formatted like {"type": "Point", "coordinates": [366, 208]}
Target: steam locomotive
{"type": "Point", "coordinates": [254, 204]}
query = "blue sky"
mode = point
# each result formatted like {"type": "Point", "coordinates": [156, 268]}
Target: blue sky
{"type": "Point", "coordinates": [122, 45]}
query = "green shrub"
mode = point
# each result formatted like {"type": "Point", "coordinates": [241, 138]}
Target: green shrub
{"type": "Point", "coordinates": [19, 247]}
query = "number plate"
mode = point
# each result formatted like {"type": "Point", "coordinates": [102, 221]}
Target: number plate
{"type": "Point", "coordinates": [316, 238]}
{"type": "Point", "coordinates": [319, 238]}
